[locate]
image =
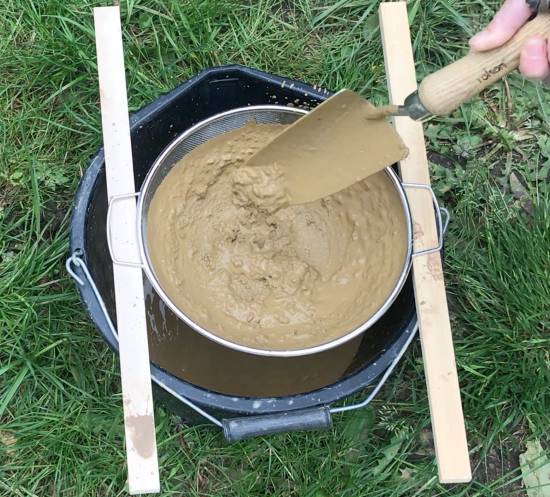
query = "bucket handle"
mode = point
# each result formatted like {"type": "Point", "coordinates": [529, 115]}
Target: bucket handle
{"type": "Point", "coordinates": [442, 225]}
{"type": "Point", "coordinates": [317, 418]}
{"type": "Point", "coordinates": [112, 201]}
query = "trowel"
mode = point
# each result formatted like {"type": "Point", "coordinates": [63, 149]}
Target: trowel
{"type": "Point", "coordinates": [346, 139]}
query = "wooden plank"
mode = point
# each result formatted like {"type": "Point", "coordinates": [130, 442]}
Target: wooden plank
{"type": "Point", "coordinates": [431, 302]}
{"type": "Point", "coordinates": [139, 425]}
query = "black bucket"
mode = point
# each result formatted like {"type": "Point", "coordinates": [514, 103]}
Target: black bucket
{"type": "Point", "coordinates": [222, 382]}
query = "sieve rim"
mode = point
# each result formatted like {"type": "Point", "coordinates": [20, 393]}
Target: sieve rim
{"type": "Point", "coordinates": [142, 209]}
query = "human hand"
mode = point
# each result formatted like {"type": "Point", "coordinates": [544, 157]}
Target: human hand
{"type": "Point", "coordinates": [535, 56]}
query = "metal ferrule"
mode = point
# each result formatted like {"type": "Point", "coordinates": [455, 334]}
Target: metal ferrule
{"type": "Point", "coordinates": [414, 108]}
{"type": "Point", "coordinates": [539, 6]}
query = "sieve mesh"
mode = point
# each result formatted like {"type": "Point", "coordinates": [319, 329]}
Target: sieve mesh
{"type": "Point", "coordinates": [204, 131]}
{"type": "Point", "coordinates": [192, 138]}
{"type": "Point", "coordinates": [197, 135]}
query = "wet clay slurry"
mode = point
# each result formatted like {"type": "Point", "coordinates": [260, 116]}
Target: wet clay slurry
{"type": "Point", "coordinates": [240, 263]}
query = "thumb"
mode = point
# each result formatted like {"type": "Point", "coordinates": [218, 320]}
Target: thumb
{"type": "Point", "coordinates": [512, 15]}
{"type": "Point", "coordinates": [534, 62]}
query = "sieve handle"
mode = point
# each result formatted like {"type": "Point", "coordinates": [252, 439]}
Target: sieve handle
{"type": "Point", "coordinates": [442, 225]}
{"type": "Point", "coordinates": [236, 429]}
{"type": "Point", "coordinates": [112, 201]}
{"type": "Point", "coordinates": [445, 90]}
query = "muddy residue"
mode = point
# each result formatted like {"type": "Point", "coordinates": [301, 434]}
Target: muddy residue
{"type": "Point", "coordinates": [142, 434]}
{"type": "Point", "coordinates": [241, 263]}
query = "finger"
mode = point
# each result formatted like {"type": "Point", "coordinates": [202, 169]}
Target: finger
{"type": "Point", "coordinates": [512, 15]}
{"type": "Point", "coordinates": [533, 62]}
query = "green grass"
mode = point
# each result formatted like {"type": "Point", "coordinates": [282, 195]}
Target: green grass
{"type": "Point", "coordinates": [60, 404]}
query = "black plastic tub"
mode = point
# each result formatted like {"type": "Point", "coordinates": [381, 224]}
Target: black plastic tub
{"type": "Point", "coordinates": [153, 128]}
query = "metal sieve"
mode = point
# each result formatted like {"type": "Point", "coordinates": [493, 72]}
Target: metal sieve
{"type": "Point", "coordinates": [210, 128]}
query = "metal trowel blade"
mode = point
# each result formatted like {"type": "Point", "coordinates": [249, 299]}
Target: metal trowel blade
{"type": "Point", "coordinates": [332, 147]}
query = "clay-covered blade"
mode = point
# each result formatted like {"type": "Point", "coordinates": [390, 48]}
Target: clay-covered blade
{"type": "Point", "coordinates": [332, 147]}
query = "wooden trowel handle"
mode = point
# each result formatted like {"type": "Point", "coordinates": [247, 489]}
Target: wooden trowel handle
{"type": "Point", "coordinates": [445, 90]}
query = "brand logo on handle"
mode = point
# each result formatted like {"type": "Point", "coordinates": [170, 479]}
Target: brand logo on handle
{"type": "Point", "coordinates": [487, 73]}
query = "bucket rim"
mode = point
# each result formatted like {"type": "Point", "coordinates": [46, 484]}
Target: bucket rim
{"type": "Point", "coordinates": [178, 388]}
